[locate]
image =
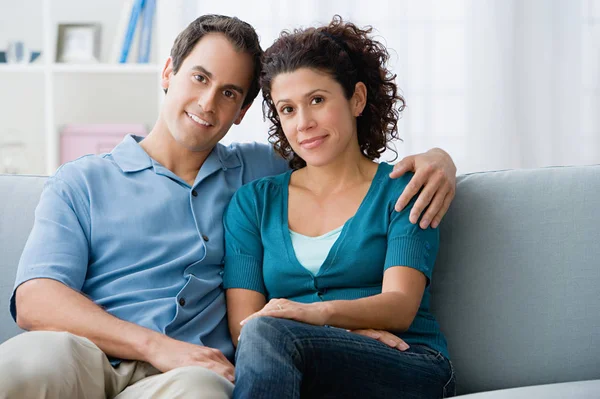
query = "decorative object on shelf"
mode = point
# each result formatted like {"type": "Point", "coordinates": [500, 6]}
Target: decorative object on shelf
{"type": "Point", "coordinates": [81, 139]}
{"type": "Point", "coordinates": [131, 12]}
{"type": "Point", "coordinates": [34, 56]}
{"type": "Point", "coordinates": [12, 156]}
{"type": "Point", "coordinates": [78, 43]}
{"type": "Point", "coordinates": [17, 52]}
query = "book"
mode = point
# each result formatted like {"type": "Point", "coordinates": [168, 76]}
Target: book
{"type": "Point", "coordinates": [115, 52]}
{"type": "Point", "coordinates": [136, 10]}
{"type": "Point", "coordinates": [145, 42]}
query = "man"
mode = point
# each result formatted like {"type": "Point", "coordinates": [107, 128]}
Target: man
{"type": "Point", "coordinates": [120, 280]}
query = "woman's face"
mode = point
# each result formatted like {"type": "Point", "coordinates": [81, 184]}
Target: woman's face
{"type": "Point", "coordinates": [317, 119]}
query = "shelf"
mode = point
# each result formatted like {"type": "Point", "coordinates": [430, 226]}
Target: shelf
{"type": "Point", "coordinates": [82, 68]}
{"type": "Point", "coordinates": [106, 68]}
{"type": "Point", "coordinates": [20, 68]}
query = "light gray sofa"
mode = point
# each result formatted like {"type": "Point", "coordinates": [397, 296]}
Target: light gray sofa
{"type": "Point", "coordinates": [516, 287]}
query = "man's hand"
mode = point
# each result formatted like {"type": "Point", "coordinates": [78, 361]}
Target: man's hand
{"type": "Point", "coordinates": [167, 354]}
{"type": "Point", "coordinates": [385, 337]}
{"type": "Point", "coordinates": [435, 172]}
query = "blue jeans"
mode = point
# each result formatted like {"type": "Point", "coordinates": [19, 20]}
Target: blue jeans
{"type": "Point", "coordinates": [280, 358]}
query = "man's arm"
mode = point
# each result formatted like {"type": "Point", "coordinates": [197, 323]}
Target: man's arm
{"type": "Point", "coordinates": [435, 174]}
{"type": "Point", "coordinates": [46, 304]}
{"type": "Point", "coordinates": [52, 272]}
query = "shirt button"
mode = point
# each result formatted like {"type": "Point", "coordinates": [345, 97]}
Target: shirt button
{"type": "Point", "coordinates": [194, 193]}
{"type": "Point", "coordinates": [182, 302]}
{"type": "Point", "coordinates": [427, 246]}
{"type": "Point", "coordinates": [205, 237]}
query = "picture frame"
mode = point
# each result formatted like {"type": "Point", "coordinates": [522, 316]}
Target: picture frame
{"type": "Point", "coordinates": [78, 43]}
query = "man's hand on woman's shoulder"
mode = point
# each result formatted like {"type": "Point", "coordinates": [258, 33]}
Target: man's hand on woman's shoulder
{"type": "Point", "coordinates": [435, 174]}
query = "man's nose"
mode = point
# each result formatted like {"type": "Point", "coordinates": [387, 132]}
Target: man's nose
{"type": "Point", "coordinates": [207, 100]}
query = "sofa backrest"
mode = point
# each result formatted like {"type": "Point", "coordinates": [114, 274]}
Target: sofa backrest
{"type": "Point", "coordinates": [516, 285]}
{"type": "Point", "coordinates": [19, 196]}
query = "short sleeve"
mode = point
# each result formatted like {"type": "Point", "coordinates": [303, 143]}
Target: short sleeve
{"type": "Point", "coordinates": [57, 247]}
{"type": "Point", "coordinates": [243, 244]}
{"type": "Point", "coordinates": [408, 244]}
{"type": "Point", "coordinates": [260, 160]}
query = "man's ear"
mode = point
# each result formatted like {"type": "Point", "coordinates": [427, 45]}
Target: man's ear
{"type": "Point", "coordinates": [240, 116]}
{"type": "Point", "coordinates": [359, 99]}
{"type": "Point", "coordinates": [167, 73]}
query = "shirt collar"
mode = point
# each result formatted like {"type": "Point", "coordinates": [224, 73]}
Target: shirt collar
{"type": "Point", "coordinates": [131, 157]}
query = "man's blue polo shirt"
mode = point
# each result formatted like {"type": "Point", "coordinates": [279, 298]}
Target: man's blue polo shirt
{"type": "Point", "coordinates": [139, 241]}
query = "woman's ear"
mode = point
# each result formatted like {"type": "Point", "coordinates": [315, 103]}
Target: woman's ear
{"type": "Point", "coordinates": [359, 99]}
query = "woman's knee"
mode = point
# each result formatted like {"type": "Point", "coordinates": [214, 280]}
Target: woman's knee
{"type": "Point", "coordinates": [269, 340]}
{"type": "Point", "coordinates": [265, 329]}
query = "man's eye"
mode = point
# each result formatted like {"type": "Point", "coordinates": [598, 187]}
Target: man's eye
{"type": "Point", "coordinates": [229, 94]}
{"type": "Point", "coordinates": [200, 78]}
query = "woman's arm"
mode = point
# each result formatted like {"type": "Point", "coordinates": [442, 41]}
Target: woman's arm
{"type": "Point", "coordinates": [243, 277]}
{"type": "Point", "coordinates": [241, 303]}
{"type": "Point", "coordinates": [409, 260]}
{"type": "Point", "coordinates": [392, 310]}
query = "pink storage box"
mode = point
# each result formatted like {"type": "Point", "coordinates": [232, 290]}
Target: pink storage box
{"type": "Point", "coordinates": [79, 140]}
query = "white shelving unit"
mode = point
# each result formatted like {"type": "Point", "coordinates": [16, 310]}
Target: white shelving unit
{"type": "Point", "coordinates": [40, 98]}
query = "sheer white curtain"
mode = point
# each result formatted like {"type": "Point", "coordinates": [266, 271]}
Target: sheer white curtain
{"type": "Point", "coordinates": [497, 83]}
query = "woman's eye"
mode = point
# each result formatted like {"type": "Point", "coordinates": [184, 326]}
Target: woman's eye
{"type": "Point", "coordinates": [317, 100]}
{"type": "Point", "coordinates": [287, 110]}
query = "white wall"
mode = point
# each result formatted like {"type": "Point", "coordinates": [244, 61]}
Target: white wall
{"type": "Point", "coordinates": [497, 83]}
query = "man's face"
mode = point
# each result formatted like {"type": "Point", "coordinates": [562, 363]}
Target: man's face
{"type": "Point", "coordinates": [205, 97]}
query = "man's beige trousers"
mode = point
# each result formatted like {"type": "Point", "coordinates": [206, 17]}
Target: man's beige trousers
{"type": "Point", "coordinates": [59, 365]}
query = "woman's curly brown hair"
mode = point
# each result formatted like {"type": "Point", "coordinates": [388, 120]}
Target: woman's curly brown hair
{"type": "Point", "coordinates": [349, 55]}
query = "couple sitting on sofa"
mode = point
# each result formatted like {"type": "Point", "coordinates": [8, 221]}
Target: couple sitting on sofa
{"type": "Point", "coordinates": [326, 270]}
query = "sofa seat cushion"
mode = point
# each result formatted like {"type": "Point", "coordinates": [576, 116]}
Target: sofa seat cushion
{"type": "Point", "coordinates": [571, 390]}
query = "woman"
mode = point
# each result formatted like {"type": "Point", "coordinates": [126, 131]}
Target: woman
{"type": "Point", "coordinates": [319, 252]}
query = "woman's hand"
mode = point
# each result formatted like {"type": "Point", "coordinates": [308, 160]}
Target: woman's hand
{"type": "Point", "coordinates": [310, 313]}
{"type": "Point", "coordinates": [435, 173]}
{"type": "Point", "coordinates": [385, 337]}
{"type": "Point", "coordinates": [317, 314]}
